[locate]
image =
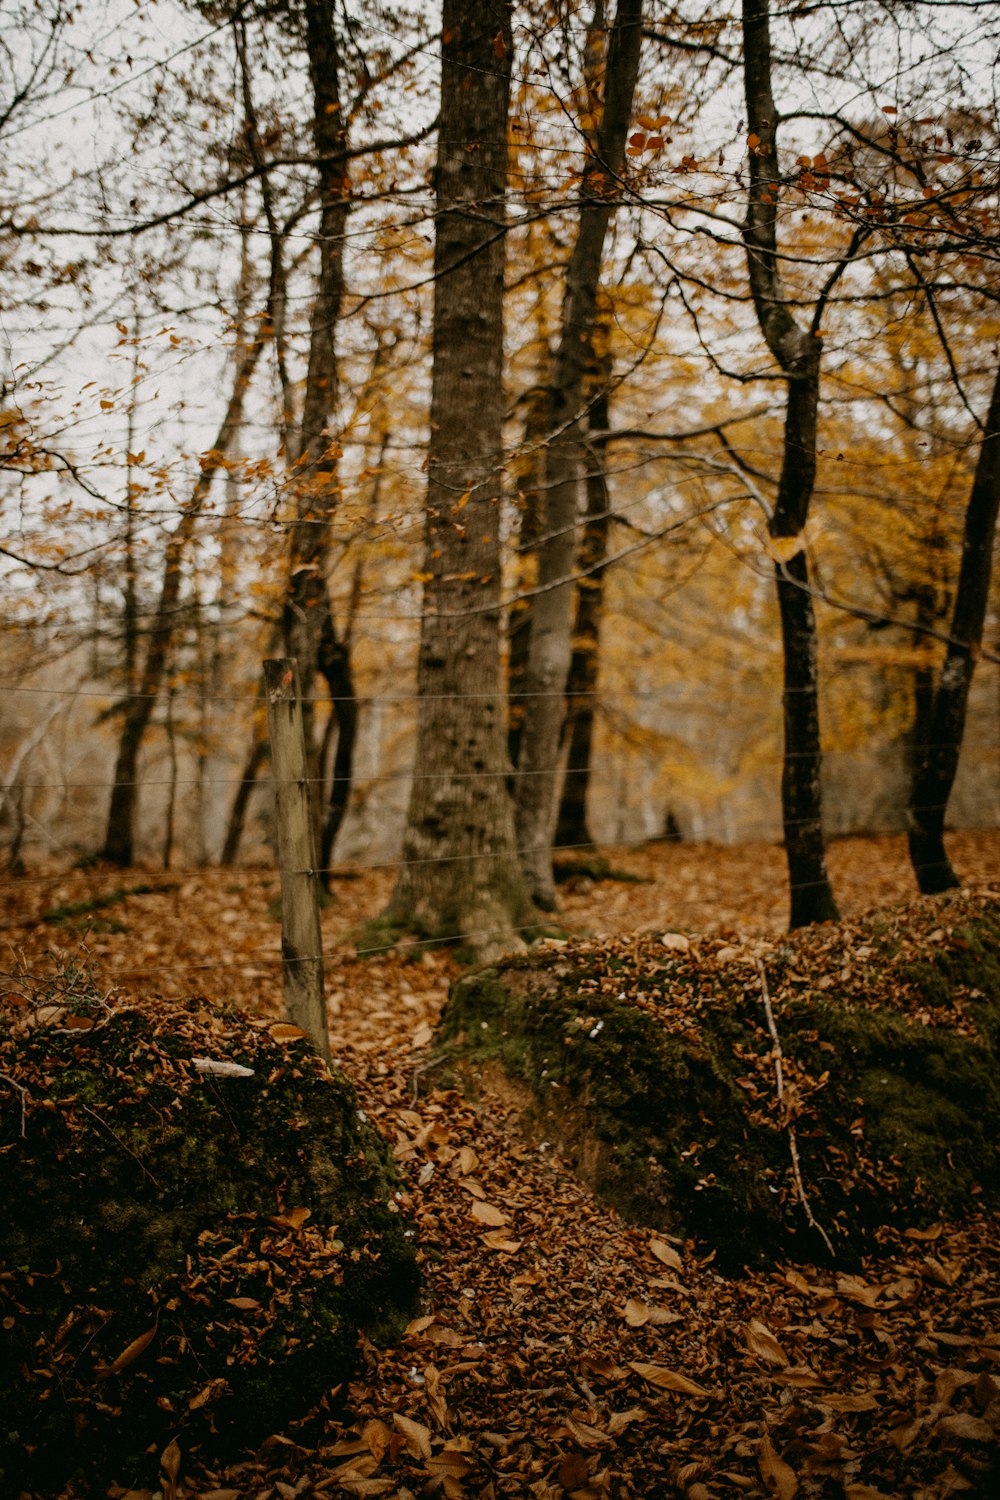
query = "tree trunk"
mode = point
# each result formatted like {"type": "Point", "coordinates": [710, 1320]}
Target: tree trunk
{"type": "Point", "coordinates": [797, 351]}
{"type": "Point", "coordinates": [119, 839]}
{"type": "Point", "coordinates": [256, 756]}
{"type": "Point", "coordinates": [572, 827]}
{"type": "Point", "coordinates": [308, 626]}
{"type": "Point", "coordinates": [937, 762]}
{"type": "Point", "coordinates": [460, 874]}
{"type": "Point", "coordinates": [550, 649]}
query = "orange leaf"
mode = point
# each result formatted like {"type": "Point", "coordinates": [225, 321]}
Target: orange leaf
{"type": "Point", "coordinates": [283, 1031]}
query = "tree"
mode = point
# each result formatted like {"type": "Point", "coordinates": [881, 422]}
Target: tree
{"type": "Point", "coordinates": [460, 874]}
{"type": "Point", "coordinates": [119, 838]}
{"type": "Point", "coordinates": [937, 756]}
{"type": "Point", "coordinates": [550, 645]}
{"type": "Point", "coordinates": [797, 351]}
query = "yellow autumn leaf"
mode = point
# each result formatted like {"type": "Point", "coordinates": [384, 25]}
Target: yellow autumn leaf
{"type": "Point", "coordinates": [784, 548]}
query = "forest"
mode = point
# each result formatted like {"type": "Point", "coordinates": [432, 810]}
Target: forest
{"type": "Point", "coordinates": [583, 416]}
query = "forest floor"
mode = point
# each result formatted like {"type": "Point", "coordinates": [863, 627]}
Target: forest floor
{"type": "Point", "coordinates": [558, 1351]}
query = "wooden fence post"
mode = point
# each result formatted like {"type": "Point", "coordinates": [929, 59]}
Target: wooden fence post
{"type": "Point", "coordinates": [301, 945]}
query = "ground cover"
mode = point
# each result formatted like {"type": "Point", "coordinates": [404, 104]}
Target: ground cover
{"type": "Point", "coordinates": [557, 1350]}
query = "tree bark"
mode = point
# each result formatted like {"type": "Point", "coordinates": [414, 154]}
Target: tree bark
{"type": "Point", "coordinates": [572, 827]}
{"type": "Point", "coordinates": [937, 759]}
{"type": "Point", "coordinates": [460, 875]}
{"type": "Point", "coordinates": [797, 351]}
{"type": "Point", "coordinates": [308, 625]}
{"type": "Point", "coordinates": [119, 839]}
{"type": "Point", "coordinates": [550, 649]}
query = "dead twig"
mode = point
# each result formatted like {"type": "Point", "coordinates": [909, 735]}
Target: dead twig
{"type": "Point", "coordinates": [779, 1079]}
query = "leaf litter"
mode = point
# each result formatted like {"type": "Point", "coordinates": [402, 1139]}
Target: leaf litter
{"type": "Point", "coordinates": [553, 1357]}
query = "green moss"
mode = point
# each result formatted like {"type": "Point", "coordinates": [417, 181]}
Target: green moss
{"type": "Point", "coordinates": [148, 1195]}
{"type": "Point", "coordinates": [655, 1076]}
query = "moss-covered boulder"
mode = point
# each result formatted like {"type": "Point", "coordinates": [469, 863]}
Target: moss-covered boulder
{"type": "Point", "coordinates": [649, 1063]}
{"type": "Point", "coordinates": [188, 1250]}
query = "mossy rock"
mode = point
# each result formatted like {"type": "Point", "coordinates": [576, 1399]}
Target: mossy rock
{"type": "Point", "coordinates": [651, 1068]}
{"type": "Point", "coordinates": [185, 1254]}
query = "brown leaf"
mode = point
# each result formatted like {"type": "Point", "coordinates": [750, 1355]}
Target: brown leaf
{"type": "Point", "coordinates": [245, 1304]}
{"type": "Point", "coordinates": [619, 1420]}
{"type": "Point", "coordinates": [776, 1474]}
{"type": "Point", "coordinates": [864, 1492]}
{"type": "Point", "coordinates": [863, 1402]}
{"type": "Point", "coordinates": [416, 1436]}
{"type": "Point", "coordinates": [667, 1380]}
{"type": "Point", "coordinates": [487, 1214]}
{"type": "Point", "coordinates": [965, 1428]}
{"type": "Point", "coordinates": [450, 1462]}
{"type": "Point", "coordinates": [762, 1343]}
{"type": "Point", "coordinates": [210, 1392]}
{"type": "Point", "coordinates": [292, 1218]}
{"type": "Point", "coordinates": [468, 1161]}
{"type": "Point", "coordinates": [418, 1325]}
{"type": "Point", "coordinates": [284, 1031]}
{"type": "Point", "coordinates": [130, 1353]}
{"type": "Point", "coordinates": [667, 1254]}
{"type": "Point", "coordinates": [601, 1366]}
{"type": "Point", "coordinates": [376, 1435]}
{"type": "Point", "coordinates": [587, 1436]}
{"type": "Point", "coordinates": [496, 1239]}
{"type": "Point", "coordinates": [635, 1312]}
{"type": "Point", "coordinates": [573, 1471]}
{"type": "Point", "coordinates": [423, 1034]}
{"type": "Point", "coordinates": [170, 1467]}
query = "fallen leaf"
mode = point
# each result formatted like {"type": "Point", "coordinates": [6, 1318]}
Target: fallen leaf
{"type": "Point", "coordinates": [635, 1312]}
{"type": "Point", "coordinates": [376, 1435]}
{"type": "Point", "coordinates": [667, 1380]}
{"type": "Point", "coordinates": [496, 1239]}
{"type": "Point", "coordinates": [487, 1214]}
{"type": "Point", "coordinates": [418, 1325]}
{"type": "Point", "coordinates": [129, 1354]}
{"type": "Point", "coordinates": [245, 1304]}
{"type": "Point", "coordinates": [170, 1467]}
{"type": "Point", "coordinates": [416, 1436]}
{"type": "Point", "coordinates": [292, 1218]}
{"type": "Point", "coordinates": [676, 942]}
{"type": "Point", "coordinates": [776, 1474]}
{"type": "Point", "coordinates": [283, 1031]}
{"type": "Point", "coordinates": [863, 1402]}
{"type": "Point", "coordinates": [423, 1034]}
{"type": "Point", "coordinates": [586, 1434]}
{"type": "Point", "coordinates": [762, 1343]}
{"type": "Point", "coordinates": [965, 1428]}
{"type": "Point", "coordinates": [468, 1161]}
{"type": "Point", "coordinates": [667, 1254]}
{"type": "Point", "coordinates": [619, 1420]}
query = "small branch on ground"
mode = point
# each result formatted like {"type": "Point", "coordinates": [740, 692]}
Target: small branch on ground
{"type": "Point", "coordinates": [779, 1079]}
